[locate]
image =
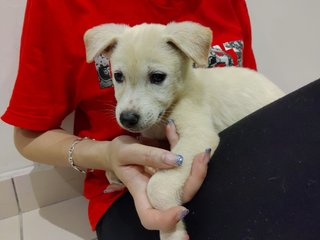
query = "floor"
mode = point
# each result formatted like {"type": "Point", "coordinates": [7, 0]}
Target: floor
{"type": "Point", "coordinates": [66, 220]}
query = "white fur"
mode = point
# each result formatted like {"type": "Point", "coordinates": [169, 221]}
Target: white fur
{"type": "Point", "coordinates": [202, 102]}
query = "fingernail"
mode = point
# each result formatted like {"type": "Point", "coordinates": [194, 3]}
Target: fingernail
{"type": "Point", "coordinates": [109, 190]}
{"type": "Point", "coordinates": [179, 160]}
{"type": "Point", "coordinates": [208, 151]}
{"type": "Point", "coordinates": [207, 155]}
{"type": "Point", "coordinates": [114, 188]}
{"type": "Point", "coordinates": [170, 121]}
{"type": "Point", "coordinates": [174, 159]}
{"type": "Point", "coordinates": [183, 214]}
{"type": "Point", "coordinates": [116, 182]}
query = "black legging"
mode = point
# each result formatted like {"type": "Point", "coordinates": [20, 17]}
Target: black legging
{"type": "Point", "coordinates": [263, 181]}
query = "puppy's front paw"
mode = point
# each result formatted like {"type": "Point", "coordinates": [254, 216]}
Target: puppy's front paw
{"type": "Point", "coordinates": [164, 189]}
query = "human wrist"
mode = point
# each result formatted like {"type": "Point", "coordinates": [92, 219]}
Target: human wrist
{"type": "Point", "coordinates": [71, 153]}
{"type": "Point", "coordinates": [90, 154]}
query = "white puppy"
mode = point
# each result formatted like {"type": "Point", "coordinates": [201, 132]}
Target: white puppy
{"type": "Point", "coordinates": [154, 79]}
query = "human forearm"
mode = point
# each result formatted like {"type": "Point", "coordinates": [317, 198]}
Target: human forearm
{"type": "Point", "coordinates": [51, 147]}
{"type": "Point", "coordinates": [125, 156]}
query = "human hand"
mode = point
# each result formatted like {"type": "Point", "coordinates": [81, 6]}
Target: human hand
{"type": "Point", "coordinates": [198, 170]}
{"type": "Point", "coordinates": [129, 167]}
{"type": "Point", "coordinates": [130, 157]}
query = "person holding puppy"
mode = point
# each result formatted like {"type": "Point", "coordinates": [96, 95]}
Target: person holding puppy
{"type": "Point", "coordinates": [54, 80]}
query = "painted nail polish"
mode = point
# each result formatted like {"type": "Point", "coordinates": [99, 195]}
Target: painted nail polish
{"type": "Point", "coordinates": [174, 159]}
{"type": "Point", "coordinates": [170, 121]}
{"type": "Point", "coordinates": [208, 151]}
{"type": "Point", "coordinates": [183, 214]}
{"type": "Point", "coordinates": [207, 156]}
{"type": "Point", "coordinates": [179, 160]}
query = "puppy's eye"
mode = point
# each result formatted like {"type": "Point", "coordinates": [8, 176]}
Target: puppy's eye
{"type": "Point", "coordinates": [157, 77]}
{"type": "Point", "coordinates": [118, 76]}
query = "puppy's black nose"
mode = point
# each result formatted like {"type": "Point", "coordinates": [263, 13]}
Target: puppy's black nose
{"type": "Point", "coordinates": [129, 119]}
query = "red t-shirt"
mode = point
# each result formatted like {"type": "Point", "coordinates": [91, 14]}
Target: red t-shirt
{"type": "Point", "coordinates": [54, 78]}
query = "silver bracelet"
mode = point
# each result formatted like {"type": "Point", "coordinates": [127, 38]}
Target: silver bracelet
{"type": "Point", "coordinates": [70, 155]}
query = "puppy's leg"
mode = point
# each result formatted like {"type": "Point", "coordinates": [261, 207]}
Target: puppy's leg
{"type": "Point", "coordinates": [165, 187]}
{"type": "Point", "coordinates": [175, 234]}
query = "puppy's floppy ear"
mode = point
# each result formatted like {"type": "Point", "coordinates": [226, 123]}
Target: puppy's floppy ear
{"type": "Point", "coordinates": [102, 38]}
{"type": "Point", "coordinates": [193, 39]}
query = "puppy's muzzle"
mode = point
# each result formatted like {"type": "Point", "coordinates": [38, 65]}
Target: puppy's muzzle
{"type": "Point", "coordinates": [129, 119]}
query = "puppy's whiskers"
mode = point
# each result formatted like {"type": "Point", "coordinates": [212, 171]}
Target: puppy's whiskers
{"type": "Point", "coordinates": [109, 110]}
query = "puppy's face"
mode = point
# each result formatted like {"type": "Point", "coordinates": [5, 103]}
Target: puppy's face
{"type": "Point", "coordinates": [147, 77]}
{"type": "Point", "coordinates": [149, 63]}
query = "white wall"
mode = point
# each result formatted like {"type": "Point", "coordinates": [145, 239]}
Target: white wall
{"type": "Point", "coordinates": [11, 19]}
{"type": "Point", "coordinates": [286, 40]}
{"type": "Point", "coordinates": [286, 36]}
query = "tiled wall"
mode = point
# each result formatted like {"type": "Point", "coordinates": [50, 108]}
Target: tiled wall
{"type": "Point", "coordinates": [43, 203]}
{"type": "Point", "coordinates": [8, 201]}
{"type": "Point", "coordinates": [38, 189]}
